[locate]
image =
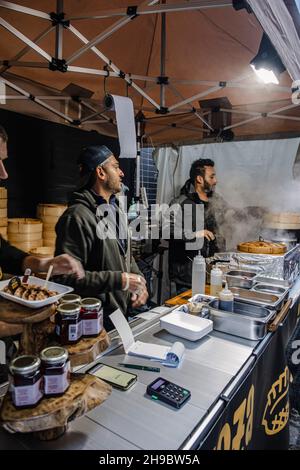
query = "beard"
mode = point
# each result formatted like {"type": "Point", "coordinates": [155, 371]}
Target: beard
{"type": "Point", "coordinates": [208, 189]}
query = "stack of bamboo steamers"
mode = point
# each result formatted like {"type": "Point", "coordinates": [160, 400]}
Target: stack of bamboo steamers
{"type": "Point", "coordinates": [3, 212]}
{"type": "Point", "coordinates": [36, 236]}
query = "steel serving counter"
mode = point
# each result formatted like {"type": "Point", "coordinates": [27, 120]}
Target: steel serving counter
{"type": "Point", "coordinates": [216, 369]}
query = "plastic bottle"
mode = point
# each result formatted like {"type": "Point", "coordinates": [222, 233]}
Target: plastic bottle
{"type": "Point", "coordinates": [226, 299]}
{"type": "Point", "coordinates": [198, 275]}
{"type": "Point", "coordinates": [216, 276]}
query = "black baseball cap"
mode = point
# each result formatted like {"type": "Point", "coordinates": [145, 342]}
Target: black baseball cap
{"type": "Point", "coordinates": [93, 156]}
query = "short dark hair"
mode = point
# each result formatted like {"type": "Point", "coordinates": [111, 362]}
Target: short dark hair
{"type": "Point", "coordinates": [3, 134]}
{"type": "Point", "coordinates": [198, 168]}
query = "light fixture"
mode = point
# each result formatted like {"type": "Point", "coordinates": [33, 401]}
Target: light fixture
{"type": "Point", "coordinates": [267, 63]}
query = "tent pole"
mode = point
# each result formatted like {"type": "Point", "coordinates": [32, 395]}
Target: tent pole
{"type": "Point", "coordinates": [24, 38]}
{"type": "Point", "coordinates": [195, 97]}
{"type": "Point", "coordinates": [36, 100]}
{"type": "Point", "coordinates": [59, 31]}
{"type": "Point", "coordinates": [138, 160]}
{"type": "Point", "coordinates": [26, 10]}
{"type": "Point", "coordinates": [163, 58]}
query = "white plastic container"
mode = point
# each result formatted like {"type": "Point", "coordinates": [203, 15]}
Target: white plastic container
{"type": "Point", "coordinates": [216, 276]}
{"type": "Point", "coordinates": [198, 275]}
{"type": "Point", "coordinates": [226, 299]}
{"type": "Point", "coordinates": [186, 326]}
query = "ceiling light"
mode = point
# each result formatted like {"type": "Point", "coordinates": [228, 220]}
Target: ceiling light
{"type": "Point", "coordinates": [267, 63]}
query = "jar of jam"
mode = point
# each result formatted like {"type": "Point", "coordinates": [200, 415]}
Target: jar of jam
{"type": "Point", "coordinates": [68, 323]}
{"type": "Point", "coordinates": [26, 381]}
{"type": "Point", "coordinates": [70, 299]}
{"type": "Point", "coordinates": [91, 316]}
{"type": "Point", "coordinates": [56, 370]}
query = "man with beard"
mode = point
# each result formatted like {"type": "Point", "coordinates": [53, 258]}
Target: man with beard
{"type": "Point", "coordinates": [203, 180]}
{"type": "Point", "coordinates": [94, 230]}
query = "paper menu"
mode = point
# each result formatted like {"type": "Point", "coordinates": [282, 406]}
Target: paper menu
{"type": "Point", "coordinates": [168, 355]}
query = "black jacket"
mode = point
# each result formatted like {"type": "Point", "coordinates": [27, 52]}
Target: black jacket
{"type": "Point", "coordinates": [11, 258]}
{"type": "Point", "coordinates": [103, 259]}
{"type": "Point", "coordinates": [180, 259]}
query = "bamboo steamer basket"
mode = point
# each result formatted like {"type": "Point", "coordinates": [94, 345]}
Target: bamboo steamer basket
{"type": "Point", "coordinates": [49, 227]}
{"type": "Point", "coordinates": [49, 242]}
{"type": "Point", "coordinates": [3, 232]}
{"type": "Point", "coordinates": [50, 210]}
{"type": "Point", "coordinates": [282, 221]}
{"type": "Point", "coordinates": [3, 203]}
{"type": "Point", "coordinates": [24, 237]}
{"type": "Point", "coordinates": [43, 251]}
{"type": "Point", "coordinates": [3, 193]}
{"type": "Point", "coordinates": [3, 213]}
{"type": "Point", "coordinates": [25, 226]}
{"type": "Point", "coordinates": [27, 246]}
{"type": "Point", "coordinates": [3, 222]}
{"type": "Point", "coordinates": [49, 220]}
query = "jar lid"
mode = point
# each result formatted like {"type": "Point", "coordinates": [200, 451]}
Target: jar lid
{"type": "Point", "coordinates": [54, 355]}
{"type": "Point", "coordinates": [68, 309]}
{"type": "Point", "coordinates": [24, 364]}
{"type": "Point", "coordinates": [70, 298]}
{"type": "Point", "coordinates": [91, 302]}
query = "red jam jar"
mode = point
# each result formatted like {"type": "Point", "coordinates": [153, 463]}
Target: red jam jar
{"type": "Point", "coordinates": [68, 323]}
{"type": "Point", "coordinates": [56, 370]}
{"type": "Point", "coordinates": [26, 381]}
{"type": "Point", "coordinates": [91, 316]}
{"type": "Point", "coordinates": [70, 299]}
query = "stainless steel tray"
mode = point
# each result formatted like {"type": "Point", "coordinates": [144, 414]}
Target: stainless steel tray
{"type": "Point", "coordinates": [241, 278]}
{"type": "Point", "coordinates": [269, 289]}
{"type": "Point", "coordinates": [247, 321]}
{"type": "Point", "coordinates": [258, 298]}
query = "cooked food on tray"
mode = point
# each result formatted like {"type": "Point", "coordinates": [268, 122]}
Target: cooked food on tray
{"type": "Point", "coordinates": [28, 291]}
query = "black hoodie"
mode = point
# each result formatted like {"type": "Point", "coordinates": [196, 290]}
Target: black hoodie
{"type": "Point", "coordinates": [103, 260]}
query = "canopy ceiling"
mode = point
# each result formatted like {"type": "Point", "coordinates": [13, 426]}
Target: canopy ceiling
{"type": "Point", "coordinates": [206, 55]}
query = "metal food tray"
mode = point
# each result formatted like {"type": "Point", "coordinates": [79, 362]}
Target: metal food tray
{"type": "Point", "coordinates": [265, 288]}
{"type": "Point", "coordinates": [247, 321]}
{"type": "Point", "coordinates": [241, 278]}
{"type": "Point", "coordinates": [259, 298]}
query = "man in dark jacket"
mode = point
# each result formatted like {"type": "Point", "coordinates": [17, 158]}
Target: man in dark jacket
{"type": "Point", "coordinates": [203, 180]}
{"type": "Point", "coordinates": [91, 231]}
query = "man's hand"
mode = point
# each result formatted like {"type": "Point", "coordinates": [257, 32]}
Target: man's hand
{"type": "Point", "coordinates": [65, 264]}
{"type": "Point", "coordinates": [133, 282]}
{"type": "Point", "coordinates": [139, 298]}
{"type": "Point", "coordinates": [205, 234]}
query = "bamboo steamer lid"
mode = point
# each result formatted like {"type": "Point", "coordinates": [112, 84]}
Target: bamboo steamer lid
{"type": "Point", "coordinates": [3, 222]}
{"type": "Point", "coordinates": [3, 232]}
{"type": "Point", "coordinates": [20, 225]}
{"type": "Point", "coordinates": [3, 213]}
{"type": "Point", "coordinates": [3, 193]}
{"type": "Point", "coordinates": [43, 251]}
{"type": "Point", "coordinates": [52, 210]}
{"type": "Point", "coordinates": [3, 203]}
{"type": "Point", "coordinates": [24, 237]}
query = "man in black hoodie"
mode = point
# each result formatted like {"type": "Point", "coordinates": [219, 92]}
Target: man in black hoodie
{"type": "Point", "coordinates": [94, 230]}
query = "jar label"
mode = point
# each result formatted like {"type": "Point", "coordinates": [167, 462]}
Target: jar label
{"type": "Point", "coordinates": [92, 327]}
{"type": "Point", "coordinates": [75, 331]}
{"type": "Point", "coordinates": [56, 384]}
{"type": "Point", "coordinates": [27, 395]}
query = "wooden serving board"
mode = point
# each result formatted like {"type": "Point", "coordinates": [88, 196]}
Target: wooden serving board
{"type": "Point", "coordinates": [53, 414]}
{"type": "Point", "coordinates": [11, 312]}
{"type": "Point", "coordinates": [87, 349]}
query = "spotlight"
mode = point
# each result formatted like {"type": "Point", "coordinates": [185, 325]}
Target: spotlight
{"type": "Point", "coordinates": [267, 63]}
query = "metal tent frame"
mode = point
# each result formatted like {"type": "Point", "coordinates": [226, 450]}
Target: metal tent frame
{"type": "Point", "coordinates": [59, 23]}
